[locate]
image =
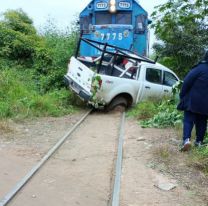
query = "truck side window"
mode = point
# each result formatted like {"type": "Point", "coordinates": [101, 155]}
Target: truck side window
{"type": "Point", "coordinates": [169, 79]}
{"type": "Point", "coordinates": [153, 75]}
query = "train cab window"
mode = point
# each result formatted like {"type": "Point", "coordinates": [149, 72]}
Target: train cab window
{"type": "Point", "coordinates": [103, 18]}
{"type": "Point", "coordinates": [153, 75]}
{"type": "Point", "coordinates": [85, 21]}
{"type": "Point", "coordinates": [123, 18]}
{"type": "Point", "coordinates": [141, 24]}
{"type": "Point", "coordinates": [169, 79]}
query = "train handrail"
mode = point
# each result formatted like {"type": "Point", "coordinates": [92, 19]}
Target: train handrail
{"type": "Point", "coordinates": [118, 50]}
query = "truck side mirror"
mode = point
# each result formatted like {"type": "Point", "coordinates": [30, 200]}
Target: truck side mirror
{"type": "Point", "coordinates": [156, 58]}
{"type": "Point", "coordinates": [149, 21]}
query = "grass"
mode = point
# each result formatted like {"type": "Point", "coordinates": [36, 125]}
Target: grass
{"type": "Point", "coordinates": [162, 151]}
{"type": "Point", "coordinates": [199, 157]}
{"type": "Point", "coordinates": [162, 114]}
{"type": "Point", "coordinates": [143, 110]}
{"type": "Point", "coordinates": [32, 66]}
{"type": "Point", "coordinates": [4, 127]}
{"type": "Point", "coordinates": [199, 160]}
{"type": "Point", "coordinates": [155, 113]}
{"type": "Point", "coordinates": [19, 97]}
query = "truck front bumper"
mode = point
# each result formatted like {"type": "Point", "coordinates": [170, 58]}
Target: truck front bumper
{"type": "Point", "coordinates": [84, 95]}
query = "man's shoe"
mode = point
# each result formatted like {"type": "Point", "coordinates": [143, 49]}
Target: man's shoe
{"type": "Point", "coordinates": [186, 146]}
{"type": "Point", "coordinates": [199, 144]}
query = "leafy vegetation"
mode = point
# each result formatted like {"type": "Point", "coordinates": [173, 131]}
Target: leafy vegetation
{"type": "Point", "coordinates": [51, 62]}
{"type": "Point", "coordinates": [144, 110]}
{"type": "Point", "coordinates": [163, 114]}
{"type": "Point", "coordinates": [18, 38]}
{"type": "Point", "coordinates": [159, 113]}
{"type": "Point", "coordinates": [32, 66]}
{"type": "Point", "coordinates": [166, 116]}
{"type": "Point", "coordinates": [20, 99]}
{"type": "Point", "coordinates": [181, 28]}
{"type": "Point", "coordinates": [182, 31]}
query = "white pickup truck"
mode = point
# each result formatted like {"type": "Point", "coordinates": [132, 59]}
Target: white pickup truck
{"type": "Point", "coordinates": [117, 77]}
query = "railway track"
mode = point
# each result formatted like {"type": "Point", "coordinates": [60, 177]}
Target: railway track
{"type": "Point", "coordinates": [107, 158]}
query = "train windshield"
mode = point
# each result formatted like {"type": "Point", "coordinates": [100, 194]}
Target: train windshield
{"type": "Point", "coordinates": [103, 18]}
{"type": "Point", "coordinates": [108, 18]}
{"type": "Point", "coordinates": [123, 18]}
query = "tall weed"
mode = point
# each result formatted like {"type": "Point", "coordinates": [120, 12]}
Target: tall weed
{"type": "Point", "coordinates": [156, 113]}
{"type": "Point", "coordinates": [166, 116]}
{"type": "Point", "coordinates": [20, 99]}
{"type": "Point", "coordinates": [143, 110]}
{"type": "Point", "coordinates": [51, 62]}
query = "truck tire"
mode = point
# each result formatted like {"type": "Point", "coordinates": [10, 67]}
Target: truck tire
{"type": "Point", "coordinates": [118, 103]}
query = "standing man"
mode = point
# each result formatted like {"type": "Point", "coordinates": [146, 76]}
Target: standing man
{"type": "Point", "coordinates": [194, 103]}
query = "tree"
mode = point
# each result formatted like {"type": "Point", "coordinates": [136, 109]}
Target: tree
{"type": "Point", "coordinates": [18, 20]}
{"type": "Point", "coordinates": [46, 54]}
{"type": "Point", "coordinates": [182, 30]}
{"type": "Point", "coordinates": [18, 37]}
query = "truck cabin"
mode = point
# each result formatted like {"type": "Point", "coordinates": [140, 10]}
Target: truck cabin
{"type": "Point", "coordinates": [113, 61]}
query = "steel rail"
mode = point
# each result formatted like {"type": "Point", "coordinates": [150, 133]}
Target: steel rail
{"type": "Point", "coordinates": [9, 196]}
{"type": "Point", "coordinates": [117, 181]}
{"type": "Point", "coordinates": [123, 54]}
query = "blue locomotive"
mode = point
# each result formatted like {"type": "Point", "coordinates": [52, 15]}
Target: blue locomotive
{"type": "Point", "coordinates": [122, 23]}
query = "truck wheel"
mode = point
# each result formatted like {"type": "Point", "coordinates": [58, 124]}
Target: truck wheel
{"type": "Point", "coordinates": [118, 103]}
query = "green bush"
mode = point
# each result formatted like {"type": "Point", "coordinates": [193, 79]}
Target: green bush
{"type": "Point", "coordinates": [47, 54]}
{"type": "Point", "coordinates": [20, 99]}
{"type": "Point", "coordinates": [32, 66]}
{"type": "Point", "coordinates": [166, 116]}
{"type": "Point", "coordinates": [51, 63]}
{"type": "Point", "coordinates": [144, 110]}
{"type": "Point", "coordinates": [18, 37]}
{"type": "Point", "coordinates": [157, 114]}
{"type": "Point", "coordinates": [18, 20]}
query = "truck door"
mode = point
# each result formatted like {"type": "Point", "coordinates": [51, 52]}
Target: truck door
{"type": "Point", "coordinates": [152, 84]}
{"type": "Point", "coordinates": [169, 79]}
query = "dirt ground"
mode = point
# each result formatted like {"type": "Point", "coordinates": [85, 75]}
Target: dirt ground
{"type": "Point", "coordinates": [81, 172]}
{"type": "Point", "coordinates": [151, 160]}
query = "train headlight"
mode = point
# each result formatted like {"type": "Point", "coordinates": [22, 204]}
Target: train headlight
{"type": "Point", "coordinates": [112, 2]}
{"type": "Point", "coordinates": [112, 9]}
{"type": "Point", "coordinates": [112, 6]}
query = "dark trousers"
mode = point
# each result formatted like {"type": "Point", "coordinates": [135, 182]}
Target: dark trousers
{"type": "Point", "coordinates": [200, 122]}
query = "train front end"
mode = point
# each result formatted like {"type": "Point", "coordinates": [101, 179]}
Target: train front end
{"type": "Point", "coordinates": [113, 22]}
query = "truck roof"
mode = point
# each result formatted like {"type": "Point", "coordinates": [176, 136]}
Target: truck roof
{"type": "Point", "coordinates": [159, 66]}
{"type": "Point", "coordinates": [149, 63]}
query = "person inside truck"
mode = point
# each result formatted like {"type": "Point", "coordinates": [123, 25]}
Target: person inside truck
{"type": "Point", "coordinates": [128, 65]}
{"type": "Point", "coordinates": [194, 103]}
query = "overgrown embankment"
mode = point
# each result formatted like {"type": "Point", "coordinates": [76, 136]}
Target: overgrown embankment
{"type": "Point", "coordinates": [19, 97]}
{"type": "Point", "coordinates": [32, 66]}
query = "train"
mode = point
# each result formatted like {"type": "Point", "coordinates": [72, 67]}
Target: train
{"type": "Point", "coordinates": [122, 23]}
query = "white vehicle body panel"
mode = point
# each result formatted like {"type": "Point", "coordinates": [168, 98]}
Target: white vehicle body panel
{"type": "Point", "coordinates": [80, 74]}
{"type": "Point", "coordinates": [113, 86]}
{"type": "Point", "coordinates": [139, 88]}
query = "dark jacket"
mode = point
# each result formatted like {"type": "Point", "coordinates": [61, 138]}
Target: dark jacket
{"type": "Point", "coordinates": [194, 92]}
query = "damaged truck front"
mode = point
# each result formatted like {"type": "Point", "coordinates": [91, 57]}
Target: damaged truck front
{"type": "Point", "coordinates": [117, 77]}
